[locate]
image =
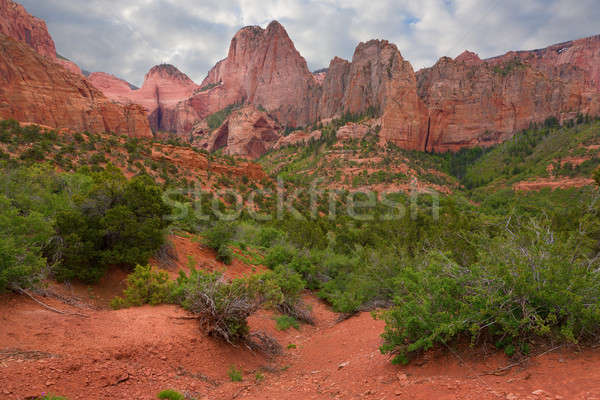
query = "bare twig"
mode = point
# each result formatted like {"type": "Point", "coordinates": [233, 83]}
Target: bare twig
{"type": "Point", "coordinates": [46, 306]}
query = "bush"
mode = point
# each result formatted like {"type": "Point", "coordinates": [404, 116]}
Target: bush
{"type": "Point", "coordinates": [223, 307]}
{"type": "Point", "coordinates": [145, 286]}
{"type": "Point", "coordinates": [225, 255]}
{"type": "Point", "coordinates": [285, 322]}
{"type": "Point", "coordinates": [116, 222]}
{"type": "Point", "coordinates": [235, 374]}
{"type": "Point", "coordinates": [279, 255]}
{"type": "Point", "coordinates": [171, 395]}
{"type": "Point", "coordinates": [291, 285]}
{"type": "Point", "coordinates": [219, 238]}
{"type": "Point", "coordinates": [268, 236]}
{"type": "Point", "coordinates": [529, 283]}
{"type": "Point", "coordinates": [22, 239]}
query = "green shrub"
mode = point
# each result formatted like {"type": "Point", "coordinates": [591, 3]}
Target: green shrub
{"type": "Point", "coordinates": [51, 397]}
{"type": "Point", "coordinates": [529, 283]}
{"type": "Point", "coordinates": [225, 255]}
{"type": "Point", "coordinates": [145, 286]}
{"type": "Point", "coordinates": [117, 222]}
{"type": "Point", "coordinates": [219, 238]}
{"type": "Point", "coordinates": [22, 239]}
{"type": "Point", "coordinates": [285, 322]}
{"type": "Point", "coordinates": [268, 236]}
{"type": "Point", "coordinates": [235, 374]}
{"type": "Point", "coordinates": [170, 395]}
{"type": "Point", "coordinates": [279, 255]}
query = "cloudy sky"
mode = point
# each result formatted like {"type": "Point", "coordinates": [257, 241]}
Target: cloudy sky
{"type": "Point", "coordinates": [127, 38]}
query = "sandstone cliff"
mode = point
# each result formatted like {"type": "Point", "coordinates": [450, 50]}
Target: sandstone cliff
{"type": "Point", "coordinates": [475, 102]}
{"type": "Point", "coordinates": [264, 68]}
{"type": "Point", "coordinates": [246, 132]}
{"type": "Point", "coordinates": [35, 89]}
{"type": "Point", "coordinates": [17, 23]}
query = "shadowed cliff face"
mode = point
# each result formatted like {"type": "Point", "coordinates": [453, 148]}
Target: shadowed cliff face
{"type": "Point", "coordinates": [35, 89]}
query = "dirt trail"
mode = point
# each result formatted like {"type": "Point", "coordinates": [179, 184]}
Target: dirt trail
{"type": "Point", "coordinates": [135, 353]}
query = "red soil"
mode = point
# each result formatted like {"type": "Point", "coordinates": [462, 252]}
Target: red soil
{"type": "Point", "coordinates": [137, 352]}
{"type": "Point", "coordinates": [552, 183]}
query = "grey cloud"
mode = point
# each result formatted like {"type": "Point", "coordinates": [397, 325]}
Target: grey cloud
{"type": "Point", "coordinates": [128, 38]}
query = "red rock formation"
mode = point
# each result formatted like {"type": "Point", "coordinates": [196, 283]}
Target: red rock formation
{"type": "Point", "coordinates": [584, 54]}
{"type": "Point", "coordinates": [456, 103]}
{"type": "Point", "coordinates": [320, 76]}
{"type": "Point", "coordinates": [297, 137]}
{"type": "Point", "coordinates": [333, 88]}
{"type": "Point", "coordinates": [17, 23]}
{"type": "Point", "coordinates": [473, 102]}
{"type": "Point", "coordinates": [112, 87]}
{"type": "Point", "coordinates": [264, 68]}
{"type": "Point", "coordinates": [357, 131]}
{"type": "Point", "coordinates": [69, 66]}
{"type": "Point", "coordinates": [163, 89]}
{"type": "Point", "coordinates": [35, 89]}
{"type": "Point", "coordinates": [246, 132]}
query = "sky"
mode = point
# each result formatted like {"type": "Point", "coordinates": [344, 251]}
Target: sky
{"type": "Point", "coordinates": [127, 38]}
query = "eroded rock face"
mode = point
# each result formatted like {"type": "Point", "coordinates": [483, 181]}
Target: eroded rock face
{"type": "Point", "coordinates": [472, 102]}
{"type": "Point", "coordinates": [35, 89]}
{"type": "Point", "coordinates": [264, 68]}
{"type": "Point", "coordinates": [456, 103]}
{"type": "Point", "coordinates": [163, 89]}
{"type": "Point", "coordinates": [18, 24]}
{"type": "Point", "coordinates": [69, 66]}
{"type": "Point", "coordinates": [112, 87]}
{"type": "Point", "coordinates": [296, 138]}
{"type": "Point", "coordinates": [246, 132]}
{"type": "Point", "coordinates": [357, 131]}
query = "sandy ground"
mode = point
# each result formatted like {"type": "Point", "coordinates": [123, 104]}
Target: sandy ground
{"type": "Point", "coordinates": [137, 352]}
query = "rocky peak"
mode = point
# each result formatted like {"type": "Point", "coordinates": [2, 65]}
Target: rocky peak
{"type": "Point", "coordinates": [468, 57]}
{"type": "Point", "coordinates": [18, 24]}
{"type": "Point", "coordinates": [168, 72]}
{"type": "Point", "coordinates": [112, 87]}
{"type": "Point", "coordinates": [264, 68]}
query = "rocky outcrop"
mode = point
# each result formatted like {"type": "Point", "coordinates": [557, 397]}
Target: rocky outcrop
{"type": "Point", "coordinates": [112, 87]}
{"type": "Point", "coordinates": [18, 24]}
{"type": "Point", "coordinates": [36, 89]}
{"type": "Point", "coordinates": [297, 138]}
{"type": "Point", "coordinates": [247, 132]}
{"type": "Point", "coordinates": [456, 103]}
{"type": "Point", "coordinates": [480, 103]}
{"type": "Point", "coordinates": [264, 68]}
{"type": "Point", "coordinates": [163, 89]}
{"type": "Point", "coordinates": [69, 66]}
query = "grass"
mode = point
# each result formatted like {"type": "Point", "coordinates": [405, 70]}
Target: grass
{"type": "Point", "coordinates": [235, 374]}
{"type": "Point", "coordinates": [170, 395]}
{"type": "Point", "coordinates": [285, 322]}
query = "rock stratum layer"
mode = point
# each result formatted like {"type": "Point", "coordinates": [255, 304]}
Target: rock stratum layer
{"type": "Point", "coordinates": [475, 102]}
{"type": "Point", "coordinates": [17, 23]}
{"type": "Point", "coordinates": [456, 103]}
{"type": "Point", "coordinates": [39, 87]}
{"type": "Point", "coordinates": [35, 89]}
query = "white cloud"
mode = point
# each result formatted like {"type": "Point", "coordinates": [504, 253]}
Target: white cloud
{"type": "Point", "coordinates": [128, 38]}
